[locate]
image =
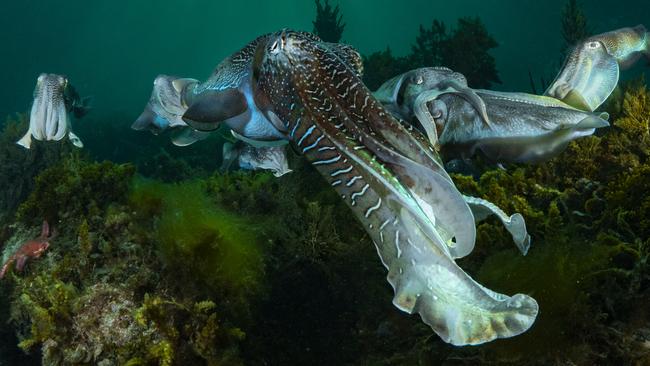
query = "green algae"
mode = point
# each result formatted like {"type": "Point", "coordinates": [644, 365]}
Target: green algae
{"type": "Point", "coordinates": [218, 247]}
{"type": "Point", "coordinates": [77, 188]}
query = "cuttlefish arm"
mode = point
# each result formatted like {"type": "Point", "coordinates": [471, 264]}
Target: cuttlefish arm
{"type": "Point", "coordinates": [515, 223]}
{"type": "Point", "coordinates": [413, 161]}
{"type": "Point", "coordinates": [186, 136]}
{"type": "Point", "coordinates": [166, 104]}
{"type": "Point", "coordinates": [591, 71]}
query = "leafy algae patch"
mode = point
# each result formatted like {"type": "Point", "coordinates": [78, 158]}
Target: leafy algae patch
{"type": "Point", "coordinates": [194, 236]}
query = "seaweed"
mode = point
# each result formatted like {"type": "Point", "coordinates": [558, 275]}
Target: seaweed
{"type": "Point", "coordinates": [574, 24]}
{"type": "Point", "coordinates": [329, 24]}
{"type": "Point", "coordinates": [76, 188]}
{"type": "Point", "coordinates": [199, 241]}
{"type": "Point", "coordinates": [464, 48]}
{"type": "Point", "coordinates": [19, 166]}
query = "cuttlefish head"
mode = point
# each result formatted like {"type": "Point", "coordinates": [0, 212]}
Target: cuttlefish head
{"type": "Point", "coordinates": [48, 118]}
{"type": "Point", "coordinates": [281, 65]}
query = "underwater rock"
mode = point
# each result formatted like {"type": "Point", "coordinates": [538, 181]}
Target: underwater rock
{"type": "Point", "coordinates": [54, 99]}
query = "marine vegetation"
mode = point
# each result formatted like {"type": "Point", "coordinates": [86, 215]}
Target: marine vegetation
{"type": "Point", "coordinates": [106, 283]}
{"type": "Point", "coordinates": [75, 188]}
{"type": "Point", "coordinates": [246, 268]}
{"type": "Point", "coordinates": [574, 23]}
{"type": "Point", "coordinates": [18, 167]}
{"type": "Point", "coordinates": [98, 296]}
{"type": "Point", "coordinates": [329, 24]}
{"type": "Point", "coordinates": [464, 48]}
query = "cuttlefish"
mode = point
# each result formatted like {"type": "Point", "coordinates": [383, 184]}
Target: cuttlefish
{"type": "Point", "coordinates": [50, 120]}
{"type": "Point", "coordinates": [407, 94]}
{"type": "Point", "coordinates": [389, 175]}
{"type": "Point", "coordinates": [591, 71]}
{"type": "Point", "coordinates": [522, 128]}
{"type": "Point", "coordinates": [165, 109]}
{"type": "Point", "coordinates": [272, 158]}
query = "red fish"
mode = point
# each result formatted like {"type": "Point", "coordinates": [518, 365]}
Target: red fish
{"type": "Point", "coordinates": [31, 249]}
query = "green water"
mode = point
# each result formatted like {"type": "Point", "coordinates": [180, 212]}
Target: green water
{"type": "Point", "coordinates": [112, 50]}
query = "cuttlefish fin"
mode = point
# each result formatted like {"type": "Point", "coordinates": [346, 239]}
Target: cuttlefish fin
{"type": "Point", "coordinates": [460, 310]}
{"type": "Point", "coordinates": [26, 141]}
{"type": "Point", "coordinates": [515, 224]}
{"type": "Point", "coordinates": [76, 141]}
{"type": "Point", "coordinates": [258, 143]}
{"type": "Point", "coordinates": [188, 136]}
{"type": "Point", "coordinates": [209, 109]}
{"type": "Point", "coordinates": [590, 122]}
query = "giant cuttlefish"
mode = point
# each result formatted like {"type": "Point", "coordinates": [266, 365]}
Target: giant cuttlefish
{"type": "Point", "coordinates": [591, 71]}
{"type": "Point", "coordinates": [49, 120]}
{"type": "Point", "coordinates": [505, 127]}
{"type": "Point", "coordinates": [310, 93]}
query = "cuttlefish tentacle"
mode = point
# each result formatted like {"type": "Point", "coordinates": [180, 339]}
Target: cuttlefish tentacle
{"type": "Point", "coordinates": [591, 71]}
{"type": "Point", "coordinates": [453, 86]}
{"type": "Point", "coordinates": [409, 159]}
{"type": "Point", "coordinates": [515, 223]}
{"type": "Point", "coordinates": [425, 277]}
{"type": "Point", "coordinates": [443, 208]}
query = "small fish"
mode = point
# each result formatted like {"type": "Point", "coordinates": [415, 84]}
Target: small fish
{"type": "Point", "coordinates": [49, 119]}
{"type": "Point", "coordinates": [591, 71]}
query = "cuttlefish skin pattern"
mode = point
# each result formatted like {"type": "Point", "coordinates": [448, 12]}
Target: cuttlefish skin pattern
{"type": "Point", "coordinates": [389, 179]}
{"type": "Point", "coordinates": [591, 71]}
{"type": "Point", "coordinates": [525, 128]}
{"type": "Point", "coordinates": [48, 118]}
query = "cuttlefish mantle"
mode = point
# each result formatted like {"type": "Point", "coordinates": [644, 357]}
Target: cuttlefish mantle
{"type": "Point", "coordinates": [525, 128]}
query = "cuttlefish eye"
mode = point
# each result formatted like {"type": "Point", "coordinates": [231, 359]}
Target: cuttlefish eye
{"type": "Point", "coordinates": [419, 80]}
{"type": "Point", "coordinates": [593, 45]}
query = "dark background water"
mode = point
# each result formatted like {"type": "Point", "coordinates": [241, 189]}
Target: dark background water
{"type": "Point", "coordinates": [113, 49]}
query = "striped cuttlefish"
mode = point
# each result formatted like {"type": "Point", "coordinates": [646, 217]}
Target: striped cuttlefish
{"type": "Point", "coordinates": [292, 87]}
